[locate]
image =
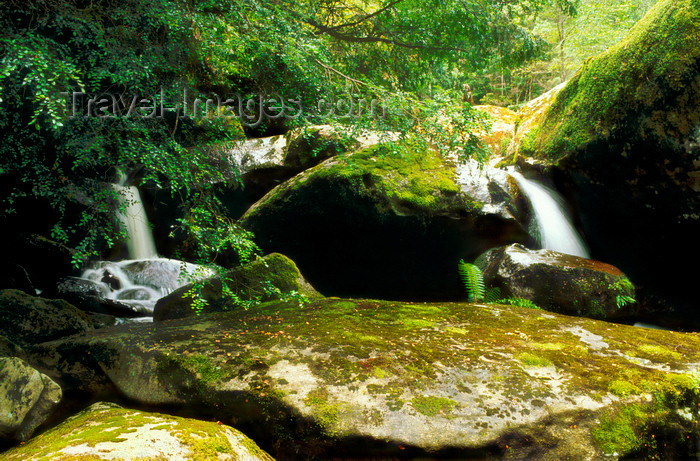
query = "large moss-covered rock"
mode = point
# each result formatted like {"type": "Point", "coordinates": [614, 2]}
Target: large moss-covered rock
{"type": "Point", "coordinates": [360, 379]}
{"type": "Point", "coordinates": [105, 431]}
{"type": "Point", "coordinates": [27, 399]}
{"type": "Point", "coordinates": [384, 224]}
{"type": "Point", "coordinates": [26, 319]}
{"type": "Point", "coordinates": [249, 282]}
{"type": "Point", "coordinates": [501, 131]}
{"type": "Point", "coordinates": [559, 282]}
{"type": "Point", "coordinates": [623, 142]}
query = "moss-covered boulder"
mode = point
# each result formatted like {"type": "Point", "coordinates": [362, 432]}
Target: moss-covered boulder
{"type": "Point", "coordinates": [250, 282]}
{"type": "Point", "coordinates": [559, 282]}
{"type": "Point", "coordinates": [622, 139]}
{"type": "Point", "coordinates": [363, 379]}
{"type": "Point", "coordinates": [502, 129]}
{"type": "Point", "coordinates": [370, 223]}
{"type": "Point", "coordinates": [27, 399]}
{"type": "Point", "coordinates": [26, 319]}
{"type": "Point", "coordinates": [105, 431]}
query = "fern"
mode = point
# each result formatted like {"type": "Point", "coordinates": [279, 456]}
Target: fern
{"type": "Point", "coordinates": [520, 302]}
{"type": "Point", "coordinates": [473, 281]}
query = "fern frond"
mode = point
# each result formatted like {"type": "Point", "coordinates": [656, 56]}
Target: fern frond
{"type": "Point", "coordinates": [473, 281]}
{"type": "Point", "coordinates": [520, 302]}
{"type": "Point", "coordinates": [493, 295]}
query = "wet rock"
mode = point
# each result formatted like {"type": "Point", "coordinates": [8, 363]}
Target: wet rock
{"type": "Point", "coordinates": [358, 378]}
{"type": "Point", "coordinates": [27, 399]}
{"type": "Point", "coordinates": [559, 282]}
{"type": "Point", "coordinates": [105, 431]}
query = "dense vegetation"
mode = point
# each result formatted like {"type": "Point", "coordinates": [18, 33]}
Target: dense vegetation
{"type": "Point", "coordinates": [131, 62]}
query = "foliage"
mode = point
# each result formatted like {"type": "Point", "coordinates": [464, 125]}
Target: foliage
{"type": "Point", "coordinates": [473, 281]}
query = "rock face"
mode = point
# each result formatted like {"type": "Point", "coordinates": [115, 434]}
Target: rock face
{"type": "Point", "coordinates": [353, 379]}
{"type": "Point", "coordinates": [623, 140]}
{"type": "Point", "coordinates": [392, 215]}
{"type": "Point", "coordinates": [559, 282]}
{"type": "Point", "coordinates": [105, 431]}
{"type": "Point", "coordinates": [29, 320]}
{"type": "Point", "coordinates": [27, 399]}
{"type": "Point", "coordinates": [248, 282]}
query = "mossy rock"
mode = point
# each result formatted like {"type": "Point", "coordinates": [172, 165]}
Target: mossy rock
{"type": "Point", "coordinates": [248, 282]}
{"type": "Point", "coordinates": [363, 378]}
{"type": "Point", "coordinates": [622, 142]}
{"type": "Point", "coordinates": [369, 223]}
{"type": "Point", "coordinates": [27, 399]}
{"type": "Point", "coordinates": [26, 319]}
{"type": "Point", "coordinates": [105, 431]}
{"type": "Point", "coordinates": [559, 282]}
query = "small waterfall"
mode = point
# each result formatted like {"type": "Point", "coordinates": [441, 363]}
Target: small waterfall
{"type": "Point", "coordinates": [556, 232]}
{"type": "Point", "coordinates": [140, 238]}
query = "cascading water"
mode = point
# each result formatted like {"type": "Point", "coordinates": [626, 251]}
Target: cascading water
{"type": "Point", "coordinates": [140, 241]}
{"type": "Point", "coordinates": [556, 232]}
{"type": "Point", "coordinates": [136, 284]}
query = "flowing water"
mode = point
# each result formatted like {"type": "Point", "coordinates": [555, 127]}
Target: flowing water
{"type": "Point", "coordinates": [555, 229]}
{"type": "Point", "coordinates": [139, 282]}
{"type": "Point", "coordinates": [140, 241]}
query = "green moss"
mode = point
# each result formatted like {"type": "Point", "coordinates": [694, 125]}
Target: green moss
{"type": "Point", "coordinates": [325, 412]}
{"type": "Point", "coordinates": [623, 388]}
{"type": "Point", "coordinates": [532, 360]}
{"type": "Point", "coordinates": [109, 424]}
{"type": "Point", "coordinates": [621, 433]}
{"type": "Point", "coordinates": [431, 406]}
{"type": "Point", "coordinates": [659, 352]}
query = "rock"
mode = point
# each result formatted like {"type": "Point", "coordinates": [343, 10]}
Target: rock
{"type": "Point", "coordinates": [29, 320]}
{"type": "Point", "coordinates": [27, 399]}
{"type": "Point", "coordinates": [361, 378]}
{"type": "Point", "coordinates": [308, 146]}
{"type": "Point", "coordinates": [502, 130]}
{"type": "Point", "coordinates": [528, 120]}
{"type": "Point", "coordinates": [559, 282]}
{"type": "Point", "coordinates": [623, 142]}
{"type": "Point", "coordinates": [248, 282]}
{"type": "Point", "coordinates": [370, 223]}
{"type": "Point", "coordinates": [105, 431]}
{"type": "Point", "coordinates": [10, 349]}
{"type": "Point", "coordinates": [89, 296]}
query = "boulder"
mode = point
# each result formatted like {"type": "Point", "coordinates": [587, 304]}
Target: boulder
{"type": "Point", "coordinates": [27, 399]}
{"type": "Point", "coordinates": [559, 282]}
{"type": "Point", "coordinates": [502, 130]}
{"type": "Point", "coordinates": [622, 140]}
{"type": "Point", "coordinates": [106, 431]}
{"type": "Point", "coordinates": [26, 320]}
{"type": "Point", "coordinates": [249, 283]}
{"type": "Point", "coordinates": [360, 379]}
{"type": "Point", "coordinates": [387, 224]}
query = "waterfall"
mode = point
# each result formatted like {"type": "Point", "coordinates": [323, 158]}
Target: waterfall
{"type": "Point", "coordinates": [139, 236]}
{"type": "Point", "coordinates": [556, 232]}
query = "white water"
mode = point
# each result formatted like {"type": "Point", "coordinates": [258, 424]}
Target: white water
{"type": "Point", "coordinates": [556, 232]}
{"type": "Point", "coordinates": [140, 241]}
{"type": "Point", "coordinates": [141, 283]}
